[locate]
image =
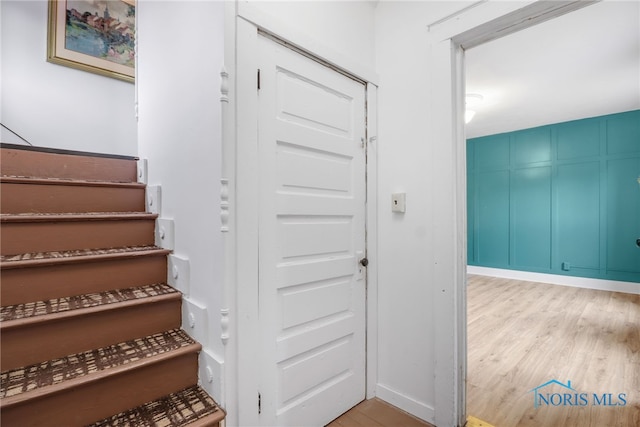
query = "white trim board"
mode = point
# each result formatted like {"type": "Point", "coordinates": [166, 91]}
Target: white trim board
{"type": "Point", "coordinates": [555, 279]}
{"type": "Point", "coordinates": [372, 240]}
{"type": "Point", "coordinates": [406, 403]}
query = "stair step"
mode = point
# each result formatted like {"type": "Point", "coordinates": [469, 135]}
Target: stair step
{"type": "Point", "coordinates": [192, 406]}
{"type": "Point", "coordinates": [35, 195]}
{"type": "Point", "coordinates": [50, 275]}
{"type": "Point", "coordinates": [27, 379]}
{"type": "Point", "coordinates": [38, 331]}
{"type": "Point", "coordinates": [86, 387]}
{"type": "Point", "coordinates": [28, 233]}
{"type": "Point", "coordinates": [48, 163]}
{"type": "Point", "coordinates": [75, 256]}
{"type": "Point", "coordinates": [61, 305]}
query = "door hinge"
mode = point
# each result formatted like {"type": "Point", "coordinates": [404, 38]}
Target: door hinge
{"type": "Point", "coordinates": [258, 78]}
{"type": "Point", "coordinates": [259, 404]}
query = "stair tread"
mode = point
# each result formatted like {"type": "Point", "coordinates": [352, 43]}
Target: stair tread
{"type": "Point", "coordinates": [75, 255]}
{"type": "Point", "coordinates": [191, 405]}
{"type": "Point", "coordinates": [66, 152]}
{"type": "Point", "coordinates": [51, 372]}
{"type": "Point", "coordinates": [66, 304]}
{"type": "Point", "coordinates": [69, 181]}
{"type": "Point", "coordinates": [72, 216]}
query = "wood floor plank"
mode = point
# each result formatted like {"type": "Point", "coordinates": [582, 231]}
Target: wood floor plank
{"type": "Point", "coordinates": [358, 419]}
{"type": "Point", "coordinates": [388, 415]}
{"type": "Point", "coordinates": [377, 413]}
{"type": "Point", "coordinates": [522, 334]}
{"type": "Point", "coordinates": [476, 422]}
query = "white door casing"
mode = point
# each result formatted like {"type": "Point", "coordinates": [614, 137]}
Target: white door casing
{"type": "Point", "coordinates": [312, 205]}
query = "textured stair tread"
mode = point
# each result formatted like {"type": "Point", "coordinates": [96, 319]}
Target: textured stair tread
{"type": "Point", "coordinates": [69, 182]}
{"type": "Point", "coordinates": [80, 255]}
{"type": "Point", "coordinates": [190, 406]}
{"type": "Point", "coordinates": [52, 372]}
{"type": "Point", "coordinates": [61, 255]}
{"type": "Point", "coordinates": [72, 216]}
{"type": "Point", "coordinates": [66, 304]}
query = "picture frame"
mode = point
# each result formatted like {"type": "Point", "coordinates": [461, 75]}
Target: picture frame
{"type": "Point", "coordinates": [97, 36]}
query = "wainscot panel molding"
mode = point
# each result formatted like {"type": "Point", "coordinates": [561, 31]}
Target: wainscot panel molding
{"type": "Point", "coordinates": [560, 199]}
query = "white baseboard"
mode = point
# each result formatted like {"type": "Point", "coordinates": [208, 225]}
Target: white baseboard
{"type": "Point", "coordinates": [406, 403]}
{"type": "Point", "coordinates": [555, 279]}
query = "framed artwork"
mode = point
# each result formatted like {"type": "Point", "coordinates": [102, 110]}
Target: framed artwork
{"type": "Point", "coordinates": [93, 35]}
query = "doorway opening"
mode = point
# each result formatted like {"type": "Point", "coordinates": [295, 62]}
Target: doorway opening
{"type": "Point", "coordinates": [514, 390]}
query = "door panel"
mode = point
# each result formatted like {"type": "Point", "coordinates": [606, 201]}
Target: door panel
{"type": "Point", "coordinates": [314, 104]}
{"type": "Point", "coordinates": [311, 239]}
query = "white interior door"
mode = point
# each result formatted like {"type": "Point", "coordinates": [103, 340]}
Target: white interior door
{"type": "Point", "coordinates": [312, 287]}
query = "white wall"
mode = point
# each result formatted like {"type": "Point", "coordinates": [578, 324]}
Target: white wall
{"type": "Point", "coordinates": [55, 106]}
{"type": "Point", "coordinates": [406, 332]}
{"type": "Point", "coordinates": [422, 253]}
{"type": "Point", "coordinates": [180, 55]}
{"type": "Point", "coordinates": [345, 28]}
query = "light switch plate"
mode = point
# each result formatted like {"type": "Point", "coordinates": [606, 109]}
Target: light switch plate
{"type": "Point", "coordinates": [398, 202]}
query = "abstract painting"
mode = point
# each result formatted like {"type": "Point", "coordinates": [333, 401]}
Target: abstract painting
{"type": "Point", "coordinates": [93, 35]}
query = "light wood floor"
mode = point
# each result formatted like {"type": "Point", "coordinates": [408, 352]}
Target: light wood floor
{"type": "Point", "coordinates": [376, 413]}
{"type": "Point", "coordinates": [523, 334]}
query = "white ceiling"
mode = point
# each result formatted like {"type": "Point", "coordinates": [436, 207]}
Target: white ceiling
{"type": "Point", "coordinates": [583, 64]}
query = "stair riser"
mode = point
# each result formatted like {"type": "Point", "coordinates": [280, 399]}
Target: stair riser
{"type": "Point", "coordinates": [29, 344]}
{"type": "Point", "coordinates": [92, 402]}
{"type": "Point", "coordinates": [18, 238]}
{"type": "Point", "coordinates": [17, 162]}
{"type": "Point", "coordinates": [23, 285]}
{"type": "Point", "coordinates": [59, 198]}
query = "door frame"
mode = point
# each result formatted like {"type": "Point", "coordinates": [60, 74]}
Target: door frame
{"type": "Point", "coordinates": [240, 199]}
{"type": "Point", "coordinates": [448, 40]}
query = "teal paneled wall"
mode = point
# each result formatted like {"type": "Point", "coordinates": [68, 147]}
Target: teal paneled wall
{"type": "Point", "coordinates": [493, 213]}
{"type": "Point", "coordinates": [531, 218]}
{"type": "Point", "coordinates": [559, 199]}
{"type": "Point", "coordinates": [578, 214]}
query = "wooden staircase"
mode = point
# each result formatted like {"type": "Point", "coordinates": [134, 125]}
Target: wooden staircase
{"type": "Point", "coordinates": [90, 331]}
